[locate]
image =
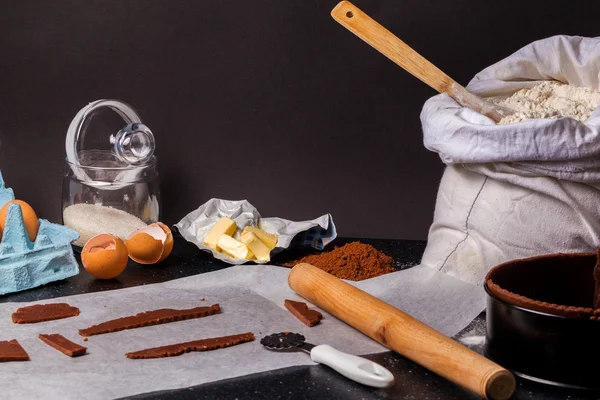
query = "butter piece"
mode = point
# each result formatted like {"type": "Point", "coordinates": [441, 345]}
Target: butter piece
{"type": "Point", "coordinates": [234, 248]}
{"type": "Point", "coordinates": [256, 246]}
{"type": "Point", "coordinates": [268, 239]}
{"type": "Point", "coordinates": [224, 226]}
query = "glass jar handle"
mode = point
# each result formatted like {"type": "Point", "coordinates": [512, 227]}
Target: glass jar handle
{"type": "Point", "coordinates": [134, 144]}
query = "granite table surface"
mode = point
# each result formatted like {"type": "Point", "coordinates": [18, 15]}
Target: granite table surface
{"type": "Point", "coordinates": [300, 382]}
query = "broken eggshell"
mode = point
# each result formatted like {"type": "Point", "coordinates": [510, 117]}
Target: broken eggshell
{"type": "Point", "coordinates": [168, 241]}
{"type": "Point", "coordinates": [151, 244]}
{"type": "Point", "coordinates": [104, 256]}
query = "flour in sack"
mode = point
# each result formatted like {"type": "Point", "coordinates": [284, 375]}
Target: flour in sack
{"type": "Point", "coordinates": [551, 99]}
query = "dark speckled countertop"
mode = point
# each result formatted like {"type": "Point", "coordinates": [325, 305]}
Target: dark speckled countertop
{"type": "Point", "coordinates": [302, 382]}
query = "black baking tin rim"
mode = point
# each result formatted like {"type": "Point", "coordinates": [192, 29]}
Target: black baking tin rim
{"type": "Point", "coordinates": [515, 369]}
{"type": "Point", "coordinates": [520, 308]}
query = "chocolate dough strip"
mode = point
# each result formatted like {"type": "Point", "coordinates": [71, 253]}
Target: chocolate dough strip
{"type": "Point", "coordinates": [536, 305]}
{"type": "Point", "coordinates": [178, 349]}
{"type": "Point", "coordinates": [301, 311]}
{"type": "Point", "coordinates": [43, 312]}
{"type": "Point", "coordinates": [64, 345]}
{"type": "Point", "coordinates": [147, 318]}
{"type": "Point", "coordinates": [11, 350]}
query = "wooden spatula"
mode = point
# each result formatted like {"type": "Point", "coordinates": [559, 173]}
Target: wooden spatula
{"type": "Point", "coordinates": [363, 26]}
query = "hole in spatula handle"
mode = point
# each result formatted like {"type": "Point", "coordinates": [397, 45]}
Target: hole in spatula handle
{"type": "Point", "coordinates": [349, 14]}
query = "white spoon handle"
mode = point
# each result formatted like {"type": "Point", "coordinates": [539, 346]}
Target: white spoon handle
{"type": "Point", "coordinates": [353, 367]}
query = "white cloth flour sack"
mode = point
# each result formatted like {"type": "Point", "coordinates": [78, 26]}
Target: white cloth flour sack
{"type": "Point", "coordinates": [515, 190]}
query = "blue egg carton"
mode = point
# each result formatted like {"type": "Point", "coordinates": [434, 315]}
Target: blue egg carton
{"type": "Point", "coordinates": [25, 264]}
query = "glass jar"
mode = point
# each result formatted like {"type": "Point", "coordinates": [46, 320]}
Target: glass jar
{"type": "Point", "coordinates": [113, 191]}
{"type": "Point", "coordinates": [106, 203]}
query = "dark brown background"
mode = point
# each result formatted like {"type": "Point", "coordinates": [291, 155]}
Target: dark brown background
{"type": "Point", "coordinates": [268, 100]}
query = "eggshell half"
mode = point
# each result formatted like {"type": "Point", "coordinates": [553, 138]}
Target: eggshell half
{"type": "Point", "coordinates": [104, 256]}
{"type": "Point", "coordinates": [168, 241]}
{"type": "Point", "coordinates": [151, 244]}
{"type": "Point", "coordinates": [144, 247]}
{"type": "Point", "coordinates": [29, 218]}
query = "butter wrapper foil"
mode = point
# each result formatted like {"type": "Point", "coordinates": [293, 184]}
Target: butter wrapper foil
{"type": "Point", "coordinates": [194, 227]}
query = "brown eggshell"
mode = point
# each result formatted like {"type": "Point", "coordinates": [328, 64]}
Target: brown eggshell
{"type": "Point", "coordinates": [104, 256]}
{"type": "Point", "coordinates": [29, 218]}
{"type": "Point", "coordinates": [143, 248]}
{"type": "Point", "coordinates": [168, 241]}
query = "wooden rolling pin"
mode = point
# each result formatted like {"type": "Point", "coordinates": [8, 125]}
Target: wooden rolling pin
{"type": "Point", "coordinates": [402, 333]}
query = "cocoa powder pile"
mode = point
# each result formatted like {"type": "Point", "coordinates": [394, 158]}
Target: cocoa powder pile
{"type": "Point", "coordinates": [354, 261]}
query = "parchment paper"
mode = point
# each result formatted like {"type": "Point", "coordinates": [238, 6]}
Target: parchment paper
{"type": "Point", "coordinates": [251, 299]}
